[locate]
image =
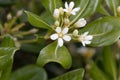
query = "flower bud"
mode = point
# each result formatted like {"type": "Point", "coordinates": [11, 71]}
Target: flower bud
{"type": "Point", "coordinates": [19, 13]}
{"type": "Point", "coordinates": [9, 16]}
{"type": "Point", "coordinates": [118, 10]}
{"type": "Point", "coordinates": [56, 13]}
{"type": "Point", "coordinates": [75, 32]}
{"type": "Point", "coordinates": [66, 21]}
{"type": "Point", "coordinates": [80, 23]}
{"type": "Point", "coordinates": [61, 11]}
{"type": "Point", "coordinates": [57, 23]}
{"type": "Point", "coordinates": [32, 31]}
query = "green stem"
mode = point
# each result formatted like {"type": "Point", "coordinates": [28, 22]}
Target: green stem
{"type": "Point", "coordinates": [56, 50]}
{"type": "Point", "coordinates": [114, 8]}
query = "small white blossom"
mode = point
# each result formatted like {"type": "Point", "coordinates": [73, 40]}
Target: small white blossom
{"type": "Point", "coordinates": [61, 35]}
{"type": "Point", "coordinates": [19, 13]}
{"type": "Point", "coordinates": [85, 38]}
{"type": "Point", "coordinates": [56, 13]}
{"type": "Point", "coordinates": [80, 23]}
{"type": "Point", "coordinates": [69, 8]}
{"type": "Point", "coordinates": [9, 16]}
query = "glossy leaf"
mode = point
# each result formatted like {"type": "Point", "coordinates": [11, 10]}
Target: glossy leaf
{"type": "Point", "coordinates": [72, 75]}
{"type": "Point", "coordinates": [96, 73]}
{"type": "Point", "coordinates": [37, 21]}
{"type": "Point", "coordinates": [50, 5]}
{"type": "Point", "coordinates": [105, 31]}
{"type": "Point", "coordinates": [30, 72]}
{"type": "Point", "coordinates": [87, 8]}
{"type": "Point", "coordinates": [8, 42]}
{"type": "Point", "coordinates": [109, 62]}
{"type": "Point", "coordinates": [52, 53]}
{"type": "Point", "coordinates": [6, 60]}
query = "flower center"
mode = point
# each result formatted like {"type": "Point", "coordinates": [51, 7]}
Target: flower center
{"type": "Point", "coordinates": [83, 38]}
{"type": "Point", "coordinates": [60, 35]}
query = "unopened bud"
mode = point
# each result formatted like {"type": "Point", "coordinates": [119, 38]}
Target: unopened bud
{"type": "Point", "coordinates": [57, 23]}
{"type": "Point", "coordinates": [61, 11]}
{"type": "Point", "coordinates": [80, 23]}
{"type": "Point", "coordinates": [118, 10]}
{"type": "Point", "coordinates": [9, 16]}
{"type": "Point", "coordinates": [33, 31]}
{"type": "Point", "coordinates": [66, 21]}
{"type": "Point", "coordinates": [56, 13]}
{"type": "Point", "coordinates": [19, 13]}
{"type": "Point", "coordinates": [75, 32]}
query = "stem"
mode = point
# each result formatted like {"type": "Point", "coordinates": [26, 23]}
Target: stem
{"type": "Point", "coordinates": [114, 8]}
{"type": "Point", "coordinates": [56, 50]}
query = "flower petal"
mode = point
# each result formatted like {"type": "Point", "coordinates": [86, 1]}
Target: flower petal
{"type": "Point", "coordinates": [83, 43]}
{"type": "Point", "coordinates": [60, 42]}
{"type": "Point", "coordinates": [89, 37]}
{"type": "Point", "coordinates": [71, 5]}
{"type": "Point", "coordinates": [85, 34]}
{"type": "Point", "coordinates": [58, 29]}
{"type": "Point", "coordinates": [65, 10]}
{"type": "Point", "coordinates": [66, 5]}
{"type": "Point", "coordinates": [66, 38]}
{"type": "Point", "coordinates": [73, 13]}
{"type": "Point", "coordinates": [65, 30]}
{"type": "Point", "coordinates": [54, 36]}
{"type": "Point", "coordinates": [76, 9]}
{"type": "Point", "coordinates": [87, 42]}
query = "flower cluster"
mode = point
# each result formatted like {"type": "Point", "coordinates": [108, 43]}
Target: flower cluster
{"type": "Point", "coordinates": [63, 26]}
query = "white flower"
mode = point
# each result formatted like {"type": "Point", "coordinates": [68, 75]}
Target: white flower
{"type": "Point", "coordinates": [69, 8]}
{"type": "Point", "coordinates": [61, 35]}
{"type": "Point", "coordinates": [56, 13]}
{"type": "Point", "coordinates": [85, 38]}
{"type": "Point", "coordinates": [80, 23]}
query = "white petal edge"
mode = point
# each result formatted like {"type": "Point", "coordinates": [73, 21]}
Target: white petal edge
{"type": "Point", "coordinates": [65, 30]}
{"type": "Point", "coordinates": [83, 43]}
{"type": "Point", "coordinates": [76, 9]}
{"type": "Point", "coordinates": [73, 13]}
{"type": "Point", "coordinates": [85, 34]}
{"type": "Point", "coordinates": [87, 42]}
{"type": "Point", "coordinates": [54, 36]}
{"type": "Point", "coordinates": [66, 5]}
{"type": "Point", "coordinates": [71, 5]}
{"type": "Point", "coordinates": [60, 42]}
{"type": "Point", "coordinates": [58, 29]}
{"type": "Point", "coordinates": [89, 37]}
{"type": "Point", "coordinates": [66, 38]}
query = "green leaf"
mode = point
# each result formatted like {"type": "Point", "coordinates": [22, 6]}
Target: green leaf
{"type": "Point", "coordinates": [87, 8]}
{"type": "Point", "coordinates": [96, 73]}
{"type": "Point", "coordinates": [105, 31]}
{"type": "Point", "coordinates": [6, 61]}
{"type": "Point", "coordinates": [8, 42]}
{"type": "Point", "coordinates": [72, 75]}
{"type": "Point", "coordinates": [37, 21]}
{"type": "Point", "coordinates": [50, 5]}
{"type": "Point", "coordinates": [112, 4]}
{"type": "Point", "coordinates": [109, 62]}
{"type": "Point", "coordinates": [30, 72]}
{"type": "Point", "coordinates": [52, 53]}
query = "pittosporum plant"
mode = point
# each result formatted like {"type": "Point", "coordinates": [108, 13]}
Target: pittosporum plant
{"type": "Point", "coordinates": [64, 25]}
